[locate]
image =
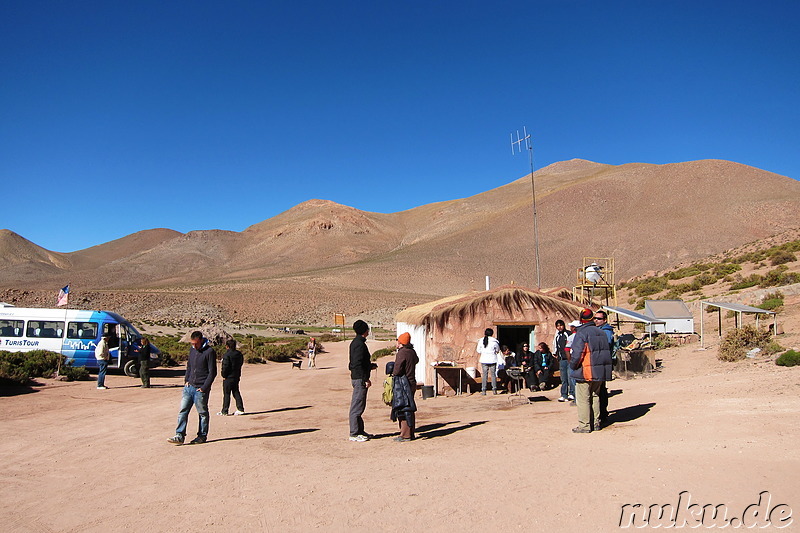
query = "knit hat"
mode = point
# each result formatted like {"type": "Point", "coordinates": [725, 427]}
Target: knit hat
{"type": "Point", "coordinates": [404, 338]}
{"type": "Point", "coordinates": [360, 327]}
{"type": "Point", "coordinates": [586, 315]}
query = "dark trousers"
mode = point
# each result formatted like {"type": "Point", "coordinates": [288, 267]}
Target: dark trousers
{"type": "Point", "coordinates": [357, 405]}
{"type": "Point", "coordinates": [407, 425]}
{"type": "Point", "coordinates": [144, 373]}
{"type": "Point", "coordinates": [231, 386]}
{"type": "Point", "coordinates": [603, 395]}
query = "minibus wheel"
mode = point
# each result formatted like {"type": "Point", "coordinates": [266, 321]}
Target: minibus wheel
{"type": "Point", "coordinates": [131, 369]}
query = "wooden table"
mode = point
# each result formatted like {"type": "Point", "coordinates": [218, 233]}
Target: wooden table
{"type": "Point", "coordinates": [438, 369]}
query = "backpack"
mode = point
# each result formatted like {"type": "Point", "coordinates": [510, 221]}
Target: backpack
{"type": "Point", "coordinates": [388, 390]}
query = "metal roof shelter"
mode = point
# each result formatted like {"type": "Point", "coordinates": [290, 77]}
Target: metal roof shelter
{"type": "Point", "coordinates": [677, 317]}
{"type": "Point", "coordinates": [635, 317]}
{"type": "Point", "coordinates": [739, 309]}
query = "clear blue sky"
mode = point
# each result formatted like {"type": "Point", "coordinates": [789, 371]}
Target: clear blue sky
{"type": "Point", "coordinates": [121, 116]}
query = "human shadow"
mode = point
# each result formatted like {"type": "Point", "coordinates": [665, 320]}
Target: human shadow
{"type": "Point", "coordinates": [627, 414]}
{"type": "Point", "coordinates": [284, 433]}
{"type": "Point", "coordinates": [167, 372]}
{"type": "Point", "coordinates": [279, 410]}
{"type": "Point", "coordinates": [443, 432]}
{"type": "Point", "coordinates": [614, 392]}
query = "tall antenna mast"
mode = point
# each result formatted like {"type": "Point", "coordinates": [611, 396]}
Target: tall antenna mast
{"type": "Point", "coordinates": [517, 145]}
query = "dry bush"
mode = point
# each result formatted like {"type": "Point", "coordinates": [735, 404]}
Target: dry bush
{"type": "Point", "coordinates": [737, 342]}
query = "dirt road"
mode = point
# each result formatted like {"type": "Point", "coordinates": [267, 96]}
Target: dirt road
{"type": "Point", "coordinates": [75, 458]}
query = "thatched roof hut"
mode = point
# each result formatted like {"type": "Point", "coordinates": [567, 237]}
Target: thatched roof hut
{"type": "Point", "coordinates": [449, 329]}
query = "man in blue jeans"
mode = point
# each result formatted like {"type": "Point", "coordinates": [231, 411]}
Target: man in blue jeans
{"type": "Point", "coordinates": [201, 369]}
{"type": "Point", "coordinates": [560, 349]}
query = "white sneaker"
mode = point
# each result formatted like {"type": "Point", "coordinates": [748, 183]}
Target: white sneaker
{"type": "Point", "coordinates": [101, 388]}
{"type": "Point", "coordinates": [359, 438]}
{"type": "Point", "coordinates": [221, 413]}
{"type": "Point", "coordinates": [571, 398]}
{"type": "Point", "coordinates": [562, 399]}
{"type": "Point", "coordinates": [237, 413]}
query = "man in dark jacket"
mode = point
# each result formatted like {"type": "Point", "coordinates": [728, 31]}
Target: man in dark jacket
{"type": "Point", "coordinates": [232, 363]}
{"type": "Point", "coordinates": [144, 362]}
{"type": "Point", "coordinates": [601, 321]}
{"type": "Point", "coordinates": [201, 369]}
{"type": "Point", "coordinates": [360, 369]}
{"type": "Point", "coordinates": [590, 361]}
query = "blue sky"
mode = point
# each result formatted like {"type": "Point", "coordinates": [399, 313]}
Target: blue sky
{"type": "Point", "coordinates": [121, 116]}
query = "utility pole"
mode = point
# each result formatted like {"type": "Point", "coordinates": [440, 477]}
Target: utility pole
{"type": "Point", "coordinates": [517, 145]}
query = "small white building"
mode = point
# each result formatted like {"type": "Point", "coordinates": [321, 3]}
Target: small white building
{"type": "Point", "coordinates": [674, 314]}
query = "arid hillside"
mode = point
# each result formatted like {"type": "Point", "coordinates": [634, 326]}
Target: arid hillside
{"type": "Point", "coordinates": [321, 257]}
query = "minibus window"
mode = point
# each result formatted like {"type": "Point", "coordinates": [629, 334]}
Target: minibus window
{"type": "Point", "coordinates": [11, 328]}
{"type": "Point", "coordinates": [45, 329]}
{"type": "Point", "coordinates": [82, 330]}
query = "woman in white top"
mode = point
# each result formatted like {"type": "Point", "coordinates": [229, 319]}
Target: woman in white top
{"type": "Point", "coordinates": [489, 348]}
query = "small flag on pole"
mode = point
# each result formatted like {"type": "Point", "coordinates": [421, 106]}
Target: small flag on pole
{"type": "Point", "coordinates": [63, 297]}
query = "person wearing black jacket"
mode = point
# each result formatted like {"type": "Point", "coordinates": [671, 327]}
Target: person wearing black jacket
{"type": "Point", "coordinates": [144, 362]}
{"type": "Point", "coordinates": [360, 366]}
{"type": "Point", "coordinates": [232, 363]}
{"type": "Point", "coordinates": [201, 369]}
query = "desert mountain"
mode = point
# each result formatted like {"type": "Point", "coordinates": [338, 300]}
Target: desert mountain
{"type": "Point", "coordinates": [648, 217]}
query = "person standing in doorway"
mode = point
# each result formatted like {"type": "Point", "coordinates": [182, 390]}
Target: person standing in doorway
{"type": "Point", "coordinates": [102, 355]}
{"type": "Point", "coordinates": [144, 362]}
{"type": "Point", "coordinates": [232, 363]}
{"type": "Point", "coordinates": [489, 348]}
{"type": "Point", "coordinates": [361, 366]}
{"type": "Point", "coordinates": [201, 369]}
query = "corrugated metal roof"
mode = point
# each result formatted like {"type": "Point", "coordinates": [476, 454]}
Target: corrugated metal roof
{"type": "Point", "coordinates": [633, 315]}
{"type": "Point", "coordinates": [739, 308]}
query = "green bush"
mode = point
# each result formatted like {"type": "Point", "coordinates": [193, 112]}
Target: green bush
{"type": "Point", "coordinates": [651, 286]}
{"type": "Point", "coordinates": [772, 301]}
{"type": "Point", "coordinates": [663, 341]}
{"type": "Point", "coordinates": [737, 342]}
{"type": "Point", "coordinates": [750, 281]}
{"type": "Point", "coordinates": [20, 367]}
{"type": "Point", "coordinates": [779, 257]}
{"type": "Point", "coordinates": [706, 279]}
{"type": "Point", "coordinates": [789, 358]}
{"type": "Point", "coordinates": [725, 269]}
{"type": "Point", "coordinates": [382, 353]}
{"type": "Point", "coordinates": [74, 373]}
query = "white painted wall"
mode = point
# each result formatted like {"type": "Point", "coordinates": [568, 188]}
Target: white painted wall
{"type": "Point", "coordinates": [418, 338]}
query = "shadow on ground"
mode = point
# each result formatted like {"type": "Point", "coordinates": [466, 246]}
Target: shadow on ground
{"type": "Point", "coordinates": [284, 433]}
{"type": "Point", "coordinates": [432, 431]}
{"type": "Point", "coordinates": [627, 414]}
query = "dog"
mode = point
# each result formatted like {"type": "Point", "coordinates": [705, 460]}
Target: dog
{"type": "Point", "coordinates": [297, 364]}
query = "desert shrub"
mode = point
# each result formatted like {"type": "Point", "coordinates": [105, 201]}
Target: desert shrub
{"type": "Point", "coordinates": [772, 301]}
{"type": "Point", "coordinates": [788, 358]}
{"type": "Point", "coordinates": [750, 281]}
{"type": "Point", "coordinates": [639, 305]}
{"type": "Point", "coordinates": [663, 341]}
{"type": "Point", "coordinates": [725, 269]}
{"type": "Point", "coordinates": [651, 286]}
{"type": "Point", "coordinates": [328, 337]}
{"type": "Point", "coordinates": [779, 276]}
{"type": "Point", "coordinates": [382, 353]}
{"type": "Point", "coordinates": [737, 342]}
{"type": "Point", "coordinates": [779, 257]}
{"type": "Point", "coordinates": [20, 367]}
{"type": "Point", "coordinates": [685, 272]}
{"type": "Point", "coordinates": [173, 351]}
{"type": "Point", "coordinates": [706, 279]}
{"type": "Point", "coordinates": [74, 373]}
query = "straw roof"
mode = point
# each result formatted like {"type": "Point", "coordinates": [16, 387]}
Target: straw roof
{"type": "Point", "coordinates": [514, 298]}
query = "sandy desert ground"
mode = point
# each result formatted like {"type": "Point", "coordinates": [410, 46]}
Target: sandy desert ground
{"type": "Point", "coordinates": [74, 458]}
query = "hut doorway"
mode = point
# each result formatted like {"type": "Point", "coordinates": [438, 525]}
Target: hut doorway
{"type": "Point", "coordinates": [517, 335]}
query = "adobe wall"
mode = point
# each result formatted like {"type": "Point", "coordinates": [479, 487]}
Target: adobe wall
{"type": "Point", "coordinates": [458, 339]}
